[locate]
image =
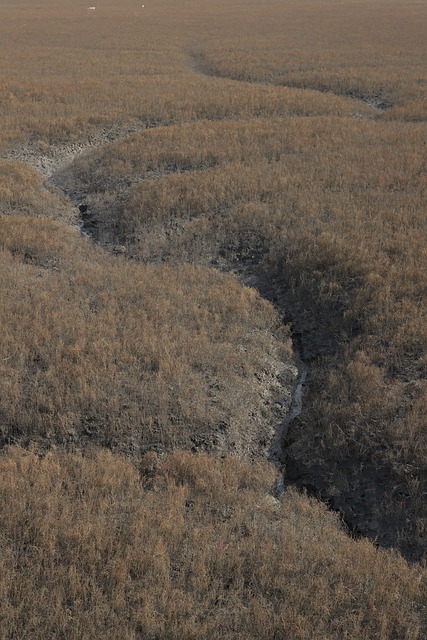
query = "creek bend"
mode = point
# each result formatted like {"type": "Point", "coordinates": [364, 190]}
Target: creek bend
{"type": "Point", "coordinates": [246, 270]}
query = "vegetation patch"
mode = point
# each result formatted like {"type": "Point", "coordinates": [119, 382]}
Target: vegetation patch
{"type": "Point", "coordinates": [129, 356]}
{"type": "Point", "coordinates": [184, 547]}
{"type": "Point", "coordinates": [283, 142]}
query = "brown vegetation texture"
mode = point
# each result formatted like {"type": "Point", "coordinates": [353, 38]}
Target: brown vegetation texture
{"type": "Point", "coordinates": [247, 173]}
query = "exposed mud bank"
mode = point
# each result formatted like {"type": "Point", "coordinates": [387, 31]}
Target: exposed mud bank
{"type": "Point", "coordinates": [48, 161]}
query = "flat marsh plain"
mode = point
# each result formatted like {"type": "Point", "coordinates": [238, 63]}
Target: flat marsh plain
{"type": "Point", "coordinates": [212, 146]}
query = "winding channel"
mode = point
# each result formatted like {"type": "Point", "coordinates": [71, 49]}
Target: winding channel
{"type": "Point", "coordinates": [49, 165]}
{"type": "Point", "coordinates": [378, 104]}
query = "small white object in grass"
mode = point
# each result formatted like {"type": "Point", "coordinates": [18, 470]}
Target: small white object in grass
{"type": "Point", "coordinates": [92, 8]}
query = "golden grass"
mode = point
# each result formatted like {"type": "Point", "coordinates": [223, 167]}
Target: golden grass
{"type": "Point", "coordinates": [374, 52]}
{"type": "Point", "coordinates": [286, 135]}
{"type": "Point", "coordinates": [65, 69]}
{"type": "Point", "coordinates": [337, 207]}
{"type": "Point", "coordinates": [133, 357]}
{"type": "Point", "coordinates": [349, 224]}
{"type": "Point", "coordinates": [22, 192]}
{"type": "Point", "coordinates": [186, 547]}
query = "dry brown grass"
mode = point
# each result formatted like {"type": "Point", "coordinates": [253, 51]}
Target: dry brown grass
{"type": "Point", "coordinates": [130, 356]}
{"type": "Point", "coordinates": [268, 151]}
{"type": "Point", "coordinates": [23, 192]}
{"type": "Point", "coordinates": [188, 547]}
{"type": "Point", "coordinates": [65, 70]}
{"type": "Point", "coordinates": [374, 52]}
{"type": "Point", "coordinates": [339, 207]}
{"type": "Point", "coordinates": [344, 215]}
